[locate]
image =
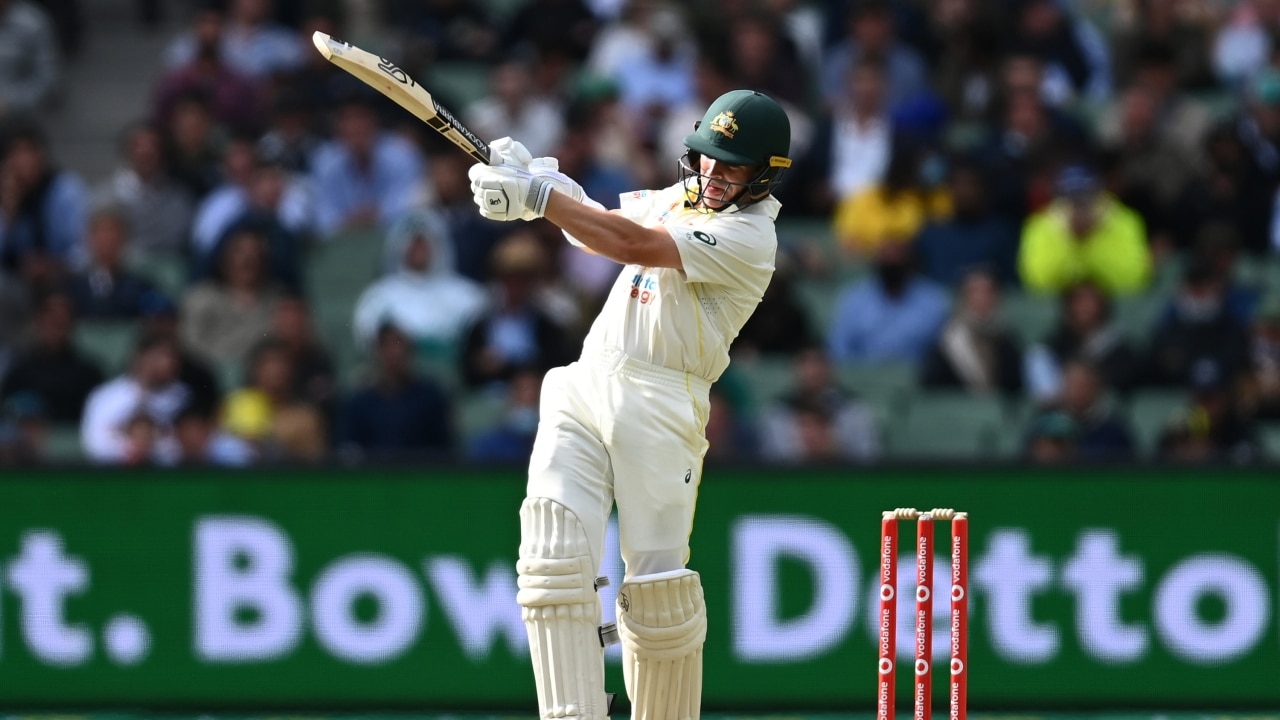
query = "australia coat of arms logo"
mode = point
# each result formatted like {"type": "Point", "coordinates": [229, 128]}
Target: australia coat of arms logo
{"type": "Point", "coordinates": [725, 124]}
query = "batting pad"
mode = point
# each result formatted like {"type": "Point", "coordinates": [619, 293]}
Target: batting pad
{"type": "Point", "coordinates": [561, 611]}
{"type": "Point", "coordinates": [662, 621]}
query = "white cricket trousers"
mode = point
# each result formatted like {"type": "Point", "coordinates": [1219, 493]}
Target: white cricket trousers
{"type": "Point", "coordinates": [613, 428]}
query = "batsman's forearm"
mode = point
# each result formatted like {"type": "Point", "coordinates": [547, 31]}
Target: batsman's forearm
{"type": "Point", "coordinates": [604, 232]}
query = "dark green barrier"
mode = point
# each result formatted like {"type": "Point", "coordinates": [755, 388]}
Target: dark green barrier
{"type": "Point", "coordinates": [395, 588]}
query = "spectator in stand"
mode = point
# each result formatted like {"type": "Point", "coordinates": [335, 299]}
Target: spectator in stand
{"type": "Point", "coordinates": [106, 289]}
{"type": "Point", "coordinates": [1182, 25]}
{"type": "Point", "coordinates": [517, 332]}
{"type": "Point", "coordinates": [1027, 139]}
{"type": "Point", "coordinates": [967, 71]}
{"type": "Point", "coordinates": [893, 315]}
{"type": "Point", "coordinates": [513, 109]}
{"type": "Point", "coordinates": [200, 442]}
{"type": "Point", "coordinates": [15, 313]}
{"type": "Point", "coordinates": [320, 82]}
{"type": "Point", "coordinates": [1052, 438]}
{"type": "Point", "coordinates": [655, 74]}
{"type": "Point", "coordinates": [872, 35]}
{"type": "Point", "coordinates": [619, 141]}
{"type": "Point", "coordinates": [421, 294]}
{"type": "Point", "coordinates": [711, 79]}
{"type": "Point", "coordinates": [160, 320]}
{"type": "Point", "coordinates": [447, 30]}
{"type": "Point", "coordinates": [364, 178]}
{"type": "Point", "coordinates": [540, 24]}
{"type": "Point", "coordinates": [268, 414]}
{"type": "Point", "coordinates": [42, 210]}
{"type": "Point", "coordinates": [973, 236]}
{"type": "Point", "coordinates": [731, 436]}
{"type": "Point", "coordinates": [1198, 327]}
{"type": "Point", "coordinates": [234, 99]}
{"type": "Point", "coordinates": [1248, 163]}
{"type": "Point", "coordinates": [255, 188]}
{"type": "Point", "coordinates": [251, 43]}
{"type": "Point", "coordinates": [764, 58]}
{"type": "Point", "coordinates": [1218, 247]}
{"type": "Point", "coordinates": [272, 206]}
{"type": "Point", "coordinates": [290, 139]}
{"type": "Point", "coordinates": [623, 38]}
{"type": "Point", "coordinates": [975, 350]}
{"type": "Point", "coordinates": [589, 275]}
{"type": "Point", "coordinates": [400, 414]}
{"type": "Point", "coordinates": [895, 209]}
{"type": "Point", "coordinates": [853, 147]}
{"type": "Point", "coordinates": [1085, 330]}
{"type": "Point", "coordinates": [23, 431]}
{"type": "Point", "coordinates": [473, 236]}
{"type": "Point", "coordinates": [1085, 234]}
{"type": "Point", "coordinates": [157, 208]}
{"type": "Point", "coordinates": [118, 412]}
{"type": "Point", "coordinates": [1177, 121]}
{"type": "Point", "coordinates": [1261, 391]}
{"type": "Point", "coordinates": [1100, 433]}
{"type": "Point", "coordinates": [818, 419]}
{"type": "Point", "coordinates": [193, 151]}
{"type": "Point", "coordinates": [1213, 427]}
{"type": "Point", "coordinates": [29, 58]}
{"type": "Point", "coordinates": [68, 19]}
{"type": "Point", "coordinates": [225, 316]}
{"type": "Point", "coordinates": [801, 24]}
{"type": "Point", "coordinates": [511, 440]}
{"type": "Point", "coordinates": [52, 368]}
{"type": "Point", "coordinates": [315, 380]}
{"type": "Point", "coordinates": [1244, 45]}
{"type": "Point", "coordinates": [781, 324]}
{"type": "Point", "coordinates": [1147, 172]}
{"type": "Point", "coordinates": [1075, 55]}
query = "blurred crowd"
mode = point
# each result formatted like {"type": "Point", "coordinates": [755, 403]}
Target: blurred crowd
{"type": "Point", "coordinates": [953, 158]}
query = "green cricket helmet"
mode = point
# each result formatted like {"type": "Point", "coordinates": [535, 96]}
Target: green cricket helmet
{"type": "Point", "coordinates": [742, 127]}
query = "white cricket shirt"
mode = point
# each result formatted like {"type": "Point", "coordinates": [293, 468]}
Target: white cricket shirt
{"type": "Point", "coordinates": [686, 320]}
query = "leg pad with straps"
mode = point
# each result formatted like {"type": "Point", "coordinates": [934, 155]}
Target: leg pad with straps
{"type": "Point", "coordinates": [561, 611]}
{"type": "Point", "coordinates": [662, 621]}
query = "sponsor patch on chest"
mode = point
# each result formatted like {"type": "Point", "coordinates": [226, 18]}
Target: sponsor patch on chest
{"type": "Point", "coordinates": [644, 287]}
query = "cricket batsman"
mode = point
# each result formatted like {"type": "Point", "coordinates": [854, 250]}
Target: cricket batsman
{"type": "Point", "coordinates": [626, 422]}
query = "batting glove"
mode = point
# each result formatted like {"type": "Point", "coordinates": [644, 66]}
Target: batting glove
{"type": "Point", "coordinates": [502, 192]}
{"type": "Point", "coordinates": [511, 153]}
{"type": "Point", "coordinates": [548, 170]}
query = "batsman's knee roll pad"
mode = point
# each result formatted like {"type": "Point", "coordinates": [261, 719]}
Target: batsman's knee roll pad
{"type": "Point", "coordinates": [561, 611]}
{"type": "Point", "coordinates": [662, 621]}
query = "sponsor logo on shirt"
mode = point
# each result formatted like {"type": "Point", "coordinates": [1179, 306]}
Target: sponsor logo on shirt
{"type": "Point", "coordinates": [644, 287]}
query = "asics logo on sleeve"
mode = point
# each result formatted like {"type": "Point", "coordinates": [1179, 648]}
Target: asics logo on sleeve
{"type": "Point", "coordinates": [705, 237]}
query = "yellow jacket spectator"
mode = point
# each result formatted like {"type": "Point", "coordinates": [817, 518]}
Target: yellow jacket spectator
{"type": "Point", "coordinates": [1084, 235]}
{"type": "Point", "coordinates": [893, 210]}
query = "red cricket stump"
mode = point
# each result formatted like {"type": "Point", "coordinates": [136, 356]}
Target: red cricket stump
{"type": "Point", "coordinates": [959, 616]}
{"type": "Point", "coordinates": [888, 615]}
{"type": "Point", "coordinates": [924, 618]}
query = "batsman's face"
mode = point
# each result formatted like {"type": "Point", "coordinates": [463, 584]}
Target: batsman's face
{"type": "Point", "coordinates": [719, 192]}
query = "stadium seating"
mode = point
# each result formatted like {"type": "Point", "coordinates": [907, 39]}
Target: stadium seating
{"type": "Point", "coordinates": [1150, 411]}
{"type": "Point", "coordinates": [1030, 317]}
{"type": "Point", "coordinates": [478, 412]}
{"type": "Point", "coordinates": [1269, 439]}
{"type": "Point", "coordinates": [948, 426]}
{"type": "Point", "coordinates": [109, 343]}
{"type": "Point", "coordinates": [62, 444]}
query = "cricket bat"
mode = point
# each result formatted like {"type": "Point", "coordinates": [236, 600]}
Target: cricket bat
{"type": "Point", "coordinates": [383, 75]}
